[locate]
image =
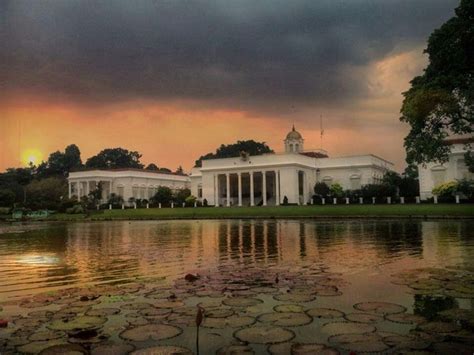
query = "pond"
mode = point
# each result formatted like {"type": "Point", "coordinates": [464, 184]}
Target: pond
{"type": "Point", "coordinates": [260, 286]}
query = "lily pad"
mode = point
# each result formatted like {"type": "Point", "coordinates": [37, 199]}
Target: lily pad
{"type": "Point", "coordinates": [36, 347]}
{"type": "Point", "coordinates": [82, 322]}
{"type": "Point", "coordinates": [112, 349]}
{"type": "Point", "coordinates": [285, 319]}
{"type": "Point", "coordinates": [405, 318]}
{"type": "Point", "coordinates": [218, 313]}
{"type": "Point", "coordinates": [363, 317]}
{"type": "Point", "coordinates": [64, 349]}
{"type": "Point", "coordinates": [46, 335]}
{"type": "Point", "coordinates": [235, 350]}
{"type": "Point", "coordinates": [314, 348]}
{"type": "Point", "coordinates": [326, 313]}
{"type": "Point", "coordinates": [234, 321]}
{"type": "Point", "coordinates": [337, 328]}
{"type": "Point", "coordinates": [151, 332]}
{"type": "Point", "coordinates": [264, 335]}
{"type": "Point", "coordinates": [163, 350]}
{"type": "Point", "coordinates": [382, 308]}
{"type": "Point", "coordinates": [103, 312]}
{"type": "Point", "coordinates": [406, 342]}
{"type": "Point", "coordinates": [241, 301]}
{"type": "Point", "coordinates": [365, 342]}
{"type": "Point", "coordinates": [439, 327]}
{"type": "Point", "coordinates": [288, 308]}
{"type": "Point", "coordinates": [264, 289]}
{"type": "Point", "coordinates": [136, 306]}
{"type": "Point", "coordinates": [295, 297]}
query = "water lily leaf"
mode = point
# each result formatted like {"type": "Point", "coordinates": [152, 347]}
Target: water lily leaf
{"type": "Point", "coordinates": [235, 350]}
{"type": "Point", "coordinates": [363, 317]}
{"type": "Point", "coordinates": [163, 350]}
{"type": "Point", "coordinates": [307, 349]}
{"type": "Point", "coordinates": [406, 342]}
{"type": "Point", "coordinates": [326, 313]}
{"type": "Point", "coordinates": [452, 348]}
{"type": "Point", "coordinates": [365, 342]}
{"type": "Point", "coordinates": [136, 306]}
{"type": "Point", "coordinates": [288, 308]}
{"type": "Point", "coordinates": [241, 301]}
{"type": "Point", "coordinates": [112, 349]}
{"type": "Point", "coordinates": [280, 349]}
{"type": "Point", "coordinates": [36, 347]}
{"type": "Point", "coordinates": [405, 318]}
{"type": "Point", "coordinates": [218, 313]}
{"type": "Point", "coordinates": [285, 319]}
{"type": "Point", "coordinates": [46, 335]}
{"type": "Point", "coordinates": [382, 308]}
{"type": "Point", "coordinates": [264, 289]}
{"type": "Point", "coordinates": [164, 303]}
{"type": "Point", "coordinates": [82, 322]}
{"type": "Point", "coordinates": [103, 312]}
{"type": "Point", "coordinates": [64, 349]}
{"type": "Point", "coordinates": [295, 297]}
{"type": "Point", "coordinates": [439, 327]}
{"type": "Point", "coordinates": [151, 332]}
{"type": "Point", "coordinates": [264, 335]}
{"type": "Point", "coordinates": [234, 321]}
{"type": "Point", "coordinates": [337, 328]}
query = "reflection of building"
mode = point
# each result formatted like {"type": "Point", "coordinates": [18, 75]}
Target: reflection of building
{"type": "Point", "coordinates": [434, 174]}
{"type": "Point", "coordinates": [127, 183]}
{"type": "Point", "coordinates": [267, 179]}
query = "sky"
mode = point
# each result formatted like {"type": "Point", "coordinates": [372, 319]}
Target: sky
{"type": "Point", "coordinates": [176, 79]}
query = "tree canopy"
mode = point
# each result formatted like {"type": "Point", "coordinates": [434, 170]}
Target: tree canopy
{"type": "Point", "coordinates": [59, 163]}
{"type": "Point", "coordinates": [114, 158]}
{"type": "Point", "coordinates": [440, 102]}
{"type": "Point", "coordinates": [234, 150]}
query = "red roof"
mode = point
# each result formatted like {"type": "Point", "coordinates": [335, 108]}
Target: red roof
{"type": "Point", "coordinates": [130, 169]}
{"type": "Point", "coordinates": [314, 154]}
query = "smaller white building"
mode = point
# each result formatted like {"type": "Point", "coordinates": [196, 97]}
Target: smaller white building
{"type": "Point", "coordinates": [434, 174]}
{"type": "Point", "coordinates": [127, 183]}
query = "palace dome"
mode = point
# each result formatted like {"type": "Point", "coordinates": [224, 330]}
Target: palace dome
{"type": "Point", "coordinates": [294, 134]}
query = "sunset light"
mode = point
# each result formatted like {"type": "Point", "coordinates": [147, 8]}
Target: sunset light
{"type": "Point", "coordinates": [33, 156]}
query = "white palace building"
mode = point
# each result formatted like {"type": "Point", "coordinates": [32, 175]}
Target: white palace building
{"type": "Point", "coordinates": [263, 180]}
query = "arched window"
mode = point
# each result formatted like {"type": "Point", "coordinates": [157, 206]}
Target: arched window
{"type": "Point", "coordinates": [135, 191]}
{"type": "Point", "coordinates": [355, 182]}
{"type": "Point", "coordinates": [327, 180]}
{"type": "Point", "coordinates": [120, 190]}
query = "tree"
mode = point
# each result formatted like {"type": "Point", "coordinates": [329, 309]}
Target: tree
{"type": "Point", "coordinates": [321, 189]}
{"type": "Point", "coordinates": [46, 193]}
{"type": "Point", "coordinates": [60, 164]}
{"type": "Point", "coordinates": [180, 170]}
{"type": "Point", "coordinates": [181, 195]}
{"type": "Point", "coordinates": [152, 167]}
{"type": "Point", "coordinates": [163, 195]}
{"type": "Point", "coordinates": [336, 190]}
{"type": "Point", "coordinates": [7, 198]}
{"type": "Point", "coordinates": [234, 150]}
{"type": "Point", "coordinates": [115, 158]}
{"type": "Point", "coordinates": [440, 102]}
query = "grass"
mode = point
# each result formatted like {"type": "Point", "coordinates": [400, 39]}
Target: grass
{"type": "Point", "coordinates": [341, 211]}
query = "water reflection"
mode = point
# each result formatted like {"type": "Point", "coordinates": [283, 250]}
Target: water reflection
{"type": "Point", "coordinates": [65, 255]}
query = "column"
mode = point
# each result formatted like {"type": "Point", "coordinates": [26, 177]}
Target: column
{"type": "Point", "coordinates": [216, 190]}
{"type": "Point", "coordinates": [70, 189]}
{"type": "Point", "coordinates": [252, 199]}
{"type": "Point", "coordinates": [277, 187]}
{"type": "Point", "coordinates": [264, 187]}
{"type": "Point", "coordinates": [239, 178]}
{"type": "Point", "coordinates": [227, 182]}
{"type": "Point", "coordinates": [305, 189]}
{"type": "Point", "coordinates": [87, 188]}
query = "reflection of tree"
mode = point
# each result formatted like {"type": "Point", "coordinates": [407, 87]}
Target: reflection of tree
{"type": "Point", "coordinates": [430, 306]}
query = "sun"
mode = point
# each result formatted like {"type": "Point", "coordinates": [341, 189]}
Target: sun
{"type": "Point", "coordinates": [33, 156]}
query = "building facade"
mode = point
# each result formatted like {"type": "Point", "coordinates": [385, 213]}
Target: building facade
{"type": "Point", "coordinates": [434, 174]}
{"type": "Point", "coordinates": [127, 183]}
{"type": "Point", "coordinates": [271, 179]}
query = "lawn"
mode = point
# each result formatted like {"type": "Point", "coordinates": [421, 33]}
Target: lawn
{"type": "Point", "coordinates": [363, 211]}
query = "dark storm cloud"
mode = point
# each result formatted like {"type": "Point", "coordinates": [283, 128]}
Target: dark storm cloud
{"type": "Point", "coordinates": [240, 52]}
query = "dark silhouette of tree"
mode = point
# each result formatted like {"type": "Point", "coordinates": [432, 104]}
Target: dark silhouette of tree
{"type": "Point", "coordinates": [152, 167]}
{"type": "Point", "coordinates": [114, 158]}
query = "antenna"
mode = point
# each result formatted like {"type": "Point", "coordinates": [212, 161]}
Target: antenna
{"type": "Point", "coordinates": [322, 130]}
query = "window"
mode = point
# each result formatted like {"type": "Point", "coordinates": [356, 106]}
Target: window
{"type": "Point", "coordinates": [327, 180]}
{"type": "Point", "coordinates": [355, 182]}
{"type": "Point", "coordinates": [439, 175]}
{"type": "Point", "coordinates": [142, 192]}
{"type": "Point", "coordinates": [135, 192]}
{"type": "Point", "coordinates": [199, 191]}
{"type": "Point", "coordinates": [120, 190]}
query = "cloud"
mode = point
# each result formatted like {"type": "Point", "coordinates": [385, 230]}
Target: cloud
{"type": "Point", "coordinates": [245, 54]}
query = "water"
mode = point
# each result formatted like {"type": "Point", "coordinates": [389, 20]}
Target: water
{"type": "Point", "coordinates": [362, 260]}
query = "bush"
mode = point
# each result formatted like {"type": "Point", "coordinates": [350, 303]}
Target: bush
{"type": "Point", "coordinates": [205, 203]}
{"type": "Point", "coordinates": [336, 190]}
{"type": "Point", "coordinates": [285, 201]}
{"type": "Point", "coordinates": [447, 189]}
{"type": "Point", "coordinates": [321, 189]}
{"type": "Point", "coordinates": [46, 193]}
{"type": "Point", "coordinates": [466, 188]}
{"type": "Point", "coordinates": [7, 198]}
{"type": "Point", "coordinates": [115, 200]}
{"type": "Point", "coordinates": [181, 195]}
{"type": "Point", "coordinates": [163, 195]}
{"type": "Point", "coordinates": [76, 209]}
{"type": "Point", "coordinates": [190, 200]}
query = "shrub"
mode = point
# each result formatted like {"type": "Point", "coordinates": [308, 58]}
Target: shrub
{"type": "Point", "coordinates": [7, 198]}
{"type": "Point", "coordinates": [466, 188]}
{"type": "Point", "coordinates": [336, 190]}
{"type": "Point", "coordinates": [163, 195]}
{"type": "Point", "coordinates": [205, 203]}
{"type": "Point", "coordinates": [447, 189]}
{"type": "Point", "coordinates": [190, 200]}
{"type": "Point", "coordinates": [76, 209]}
{"type": "Point", "coordinates": [115, 200]}
{"type": "Point", "coordinates": [181, 195]}
{"type": "Point", "coordinates": [285, 201]}
{"type": "Point", "coordinates": [321, 189]}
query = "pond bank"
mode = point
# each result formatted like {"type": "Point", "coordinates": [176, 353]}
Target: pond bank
{"type": "Point", "coordinates": [441, 211]}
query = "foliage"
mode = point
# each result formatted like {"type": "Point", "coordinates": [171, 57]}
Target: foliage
{"type": "Point", "coordinates": [115, 158]}
{"type": "Point", "coordinates": [411, 171]}
{"type": "Point", "coordinates": [152, 167]}
{"type": "Point", "coordinates": [7, 197]}
{"type": "Point", "coordinates": [190, 200]}
{"type": "Point", "coordinates": [441, 101]}
{"type": "Point", "coordinates": [163, 195]}
{"type": "Point", "coordinates": [234, 150]}
{"type": "Point", "coordinates": [180, 170]}
{"type": "Point", "coordinates": [46, 193]}
{"type": "Point", "coordinates": [115, 200]}
{"type": "Point", "coordinates": [285, 200]}
{"type": "Point", "coordinates": [205, 203]}
{"type": "Point", "coordinates": [446, 189]}
{"type": "Point", "coordinates": [406, 184]}
{"type": "Point", "coordinates": [336, 190]}
{"type": "Point", "coordinates": [180, 196]}
{"type": "Point", "coordinates": [76, 209]}
{"type": "Point", "coordinates": [321, 189]}
{"type": "Point", "coordinates": [466, 187]}
{"type": "Point", "coordinates": [60, 164]}
{"type": "Point", "coordinates": [469, 160]}
{"type": "Point", "coordinates": [378, 190]}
